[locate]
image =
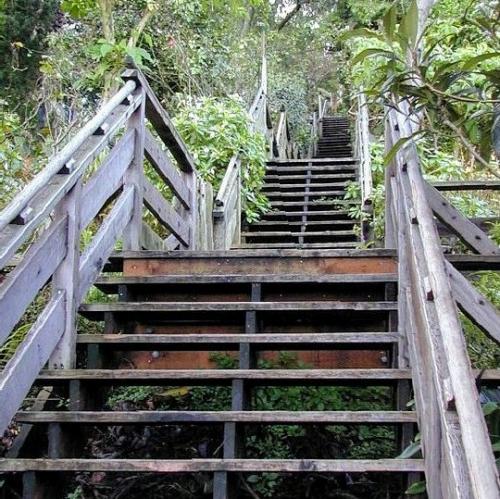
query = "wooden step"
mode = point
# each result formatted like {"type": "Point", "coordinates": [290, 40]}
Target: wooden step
{"type": "Point", "coordinates": [282, 178]}
{"type": "Point", "coordinates": [306, 161]}
{"type": "Point", "coordinates": [96, 311]}
{"type": "Point", "coordinates": [227, 341]}
{"type": "Point", "coordinates": [215, 417]}
{"type": "Point", "coordinates": [110, 284]}
{"type": "Point", "coordinates": [323, 233]}
{"type": "Point", "coordinates": [264, 224]}
{"type": "Point", "coordinates": [214, 465]}
{"type": "Point", "coordinates": [202, 377]}
{"type": "Point", "coordinates": [276, 195]}
{"type": "Point", "coordinates": [329, 245]}
{"type": "Point", "coordinates": [318, 213]}
{"type": "Point", "coordinates": [226, 376]}
{"type": "Point", "coordinates": [303, 186]}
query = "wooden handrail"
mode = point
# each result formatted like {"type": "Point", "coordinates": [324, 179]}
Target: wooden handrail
{"type": "Point", "coordinates": [63, 201]}
{"type": "Point", "coordinates": [458, 458]}
{"type": "Point", "coordinates": [64, 157]}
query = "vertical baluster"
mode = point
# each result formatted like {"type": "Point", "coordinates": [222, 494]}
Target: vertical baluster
{"type": "Point", "coordinates": [135, 173]}
{"type": "Point", "coordinates": [66, 279]}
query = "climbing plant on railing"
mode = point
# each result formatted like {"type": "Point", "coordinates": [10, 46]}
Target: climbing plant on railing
{"type": "Point", "coordinates": [217, 129]}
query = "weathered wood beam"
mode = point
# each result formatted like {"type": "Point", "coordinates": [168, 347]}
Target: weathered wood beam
{"type": "Point", "coordinates": [468, 185]}
{"type": "Point", "coordinates": [214, 465]}
{"type": "Point", "coordinates": [164, 167]}
{"type": "Point", "coordinates": [43, 203]}
{"type": "Point", "coordinates": [165, 213]}
{"type": "Point", "coordinates": [31, 355]}
{"type": "Point", "coordinates": [162, 123]}
{"type": "Point", "coordinates": [472, 236]}
{"type": "Point", "coordinates": [150, 240]}
{"type": "Point", "coordinates": [36, 268]}
{"type": "Point", "coordinates": [202, 417]}
{"type": "Point", "coordinates": [107, 179]}
{"type": "Point", "coordinates": [474, 304]}
{"type": "Point", "coordinates": [96, 254]}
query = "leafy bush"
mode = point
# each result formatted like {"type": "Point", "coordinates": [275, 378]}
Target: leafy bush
{"type": "Point", "coordinates": [215, 130]}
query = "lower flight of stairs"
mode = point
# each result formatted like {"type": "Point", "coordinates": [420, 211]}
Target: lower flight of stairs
{"type": "Point", "coordinates": [164, 318]}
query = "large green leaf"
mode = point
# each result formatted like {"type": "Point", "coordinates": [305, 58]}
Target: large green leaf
{"type": "Point", "coordinates": [389, 19]}
{"type": "Point", "coordinates": [408, 29]}
{"type": "Point", "coordinates": [361, 33]}
{"type": "Point", "coordinates": [416, 488]}
{"type": "Point", "coordinates": [397, 146]}
{"type": "Point", "coordinates": [474, 61]}
{"type": "Point", "coordinates": [370, 52]}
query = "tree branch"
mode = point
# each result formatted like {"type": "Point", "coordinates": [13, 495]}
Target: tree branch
{"type": "Point", "coordinates": [292, 13]}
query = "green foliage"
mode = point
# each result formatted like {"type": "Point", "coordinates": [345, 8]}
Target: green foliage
{"type": "Point", "coordinates": [23, 28]}
{"type": "Point", "coordinates": [454, 78]}
{"type": "Point", "coordinates": [214, 131]}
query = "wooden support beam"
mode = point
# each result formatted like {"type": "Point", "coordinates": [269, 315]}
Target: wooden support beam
{"type": "Point", "coordinates": [470, 234]}
{"type": "Point", "coordinates": [165, 213]}
{"type": "Point", "coordinates": [97, 253]}
{"type": "Point", "coordinates": [22, 285]}
{"type": "Point", "coordinates": [162, 123]}
{"type": "Point", "coordinates": [164, 167]}
{"type": "Point", "coordinates": [32, 354]}
{"type": "Point", "coordinates": [473, 304]}
{"type": "Point", "coordinates": [107, 179]}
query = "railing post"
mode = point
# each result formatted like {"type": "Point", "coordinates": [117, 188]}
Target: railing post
{"type": "Point", "coordinates": [66, 278]}
{"type": "Point", "coordinates": [135, 173]}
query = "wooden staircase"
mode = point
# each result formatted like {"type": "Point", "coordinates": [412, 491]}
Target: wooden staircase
{"type": "Point", "coordinates": [308, 209]}
{"type": "Point", "coordinates": [297, 308]}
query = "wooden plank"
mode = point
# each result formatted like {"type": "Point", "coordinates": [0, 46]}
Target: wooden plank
{"type": "Point", "coordinates": [202, 417]}
{"type": "Point", "coordinates": [474, 304]}
{"type": "Point", "coordinates": [470, 234]}
{"type": "Point", "coordinates": [22, 285]}
{"type": "Point", "coordinates": [95, 255]}
{"type": "Point", "coordinates": [162, 164]}
{"type": "Point", "coordinates": [162, 123]}
{"type": "Point", "coordinates": [143, 307]}
{"type": "Point", "coordinates": [111, 283]}
{"type": "Point", "coordinates": [206, 376]}
{"type": "Point", "coordinates": [468, 185]}
{"type": "Point", "coordinates": [469, 463]}
{"type": "Point", "coordinates": [44, 202]}
{"type": "Point", "coordinates": [226, 341]}
{"type": "Point", "coordinates": [150, 240]}
{"type": "Point", "coordinates": [31, 355]}
{"type": "Point", "coordinates": [465, 262]}
{"type": "Point", "coordinates": [66, 278]}
{"type": "Point", "coordinates": [165, 213]}
{"type": "Point", "coordinates": [214, 465]}
{"type": "Point", "coordinates": [107, 179]}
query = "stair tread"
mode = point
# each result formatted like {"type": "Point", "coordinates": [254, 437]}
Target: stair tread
{"type": "Point", "coordinates": [227, 338]}
{"type": "Point", "coordinates": [213, 465]}
{"type": "Point", "coordinates": [329, 245]}
{"type": "Point", "coordinates": [162, 417]}
{"type": "Point", "coordinates": [104, 281]}
{"type": "Point", "coordinates": [149, 306]}
{"type": "Point", "coordinates": [325, 233]}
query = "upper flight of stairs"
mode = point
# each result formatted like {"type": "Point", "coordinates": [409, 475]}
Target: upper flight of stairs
{"type": "Point", "coordinates": [308, 209]}
{"type": "Point", "coordinates": [335, 140]}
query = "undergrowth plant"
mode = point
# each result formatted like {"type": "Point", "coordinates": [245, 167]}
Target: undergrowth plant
{"type": "Point", "coordinates": [215, 129]}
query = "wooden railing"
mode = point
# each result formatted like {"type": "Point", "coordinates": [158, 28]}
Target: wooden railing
{"type": "Point", "coordinates": [42, 228]}
{"type": "Point", "coordinates": [459, 462]}
{"type": "Point", "coordinates": [284, 147]}
{"type": "Point", "coordinates": [362, 152]}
